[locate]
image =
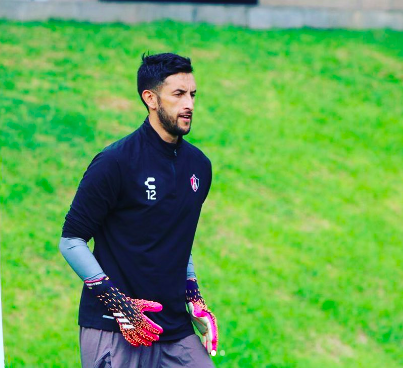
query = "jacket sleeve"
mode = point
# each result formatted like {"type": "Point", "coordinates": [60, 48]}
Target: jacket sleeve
{"type": "Point", "coordinates": [210, 176]}
{"type": "Point", "coordinates": [96, 196]}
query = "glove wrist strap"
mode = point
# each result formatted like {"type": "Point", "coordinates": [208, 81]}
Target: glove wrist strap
{"type": "Point", "coordinates": [107, 293]}
{"type": "Point", "coordinates": [192, 291]}
{"type": "Point", "coordinates": [100, 286]}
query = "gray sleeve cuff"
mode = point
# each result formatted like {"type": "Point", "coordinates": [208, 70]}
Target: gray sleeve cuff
{"type": "Point", "coordinates": [191, 269]}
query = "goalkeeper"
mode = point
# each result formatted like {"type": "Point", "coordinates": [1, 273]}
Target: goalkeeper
{"type": "Point", "coordinates": [140, 199]}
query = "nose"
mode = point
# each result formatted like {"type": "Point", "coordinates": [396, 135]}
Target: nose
{"type": "Point", "coordinates": [189, 102]}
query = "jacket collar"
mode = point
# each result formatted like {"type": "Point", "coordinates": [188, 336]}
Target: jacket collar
{"type": "Point", "coordinates": [169, 149]}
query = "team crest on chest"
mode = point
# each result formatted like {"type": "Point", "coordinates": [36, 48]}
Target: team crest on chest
{"type": "Point", "coordinates": [194, 182]}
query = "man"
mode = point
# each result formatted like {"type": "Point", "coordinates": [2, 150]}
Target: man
{"type": "Point", "coordinates": [140, 199]}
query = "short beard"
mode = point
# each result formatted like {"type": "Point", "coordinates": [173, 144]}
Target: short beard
{"type": "Point", "coordinates": [169, 123]}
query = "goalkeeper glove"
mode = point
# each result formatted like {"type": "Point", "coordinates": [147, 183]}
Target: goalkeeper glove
{"type": "Point", "coordinates": [136, 327]}
{"type": "Point", "coordinates": [202, 318]}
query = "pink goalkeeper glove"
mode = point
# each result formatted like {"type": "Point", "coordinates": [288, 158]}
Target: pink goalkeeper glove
{"type": "Point", "coordinates": [136, 328]}
{"type": "Point", "coordinates": [202, 318]}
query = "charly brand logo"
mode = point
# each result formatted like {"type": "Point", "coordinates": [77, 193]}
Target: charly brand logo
{"type": "Point", "coordinates": [194, 182]}
{"type": "Point", "coordinates": [151, 193]}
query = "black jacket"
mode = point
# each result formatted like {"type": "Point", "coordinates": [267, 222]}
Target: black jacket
{"type": "Point", "coordinates": [140, 199]}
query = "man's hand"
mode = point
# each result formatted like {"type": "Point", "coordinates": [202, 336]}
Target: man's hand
{"type": "Point", "coordinates": [136, 327]}
{"type": "Point", "coordinates": [202, 318]}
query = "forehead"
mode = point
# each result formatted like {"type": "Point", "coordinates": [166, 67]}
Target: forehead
{"type": "Point", "coordinates": [184, 81]}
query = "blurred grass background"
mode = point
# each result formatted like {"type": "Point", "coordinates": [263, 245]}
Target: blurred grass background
{"type": "Point", "coordinates": [299, 248]}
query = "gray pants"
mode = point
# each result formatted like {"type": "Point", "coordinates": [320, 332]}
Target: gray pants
{"type": "Point", "coordinates": [105, 349]}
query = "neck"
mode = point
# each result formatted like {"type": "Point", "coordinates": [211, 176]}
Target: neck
{"type": "Point", "coordinates": [157, 126]}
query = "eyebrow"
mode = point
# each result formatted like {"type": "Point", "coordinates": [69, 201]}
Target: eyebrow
{"type": "Point", "coordinates": [183, 91]}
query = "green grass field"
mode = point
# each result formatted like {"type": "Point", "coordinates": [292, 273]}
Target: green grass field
{"type": "Point", "coordinates": [299, 248]}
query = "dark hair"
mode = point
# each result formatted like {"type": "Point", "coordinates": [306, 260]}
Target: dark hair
{"type": "Point", "coordinates": [154, 69]}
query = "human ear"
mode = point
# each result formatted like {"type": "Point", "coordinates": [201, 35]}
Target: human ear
{"type": "Point", "coordinates": [150, 98]}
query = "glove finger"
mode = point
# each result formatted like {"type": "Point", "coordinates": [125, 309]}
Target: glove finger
{"type": "Point", "coordinates": [134, 339]}
{"type": "Point", "coordinates": [212, 334]}
{"type": "Point", "coordinates": [204, 339]}
{"type": "Point", "coordinates": [200, 325]}
{"type": "Point", "coordinates": [209, 347]}
{"type": "Point", "coordinates": [203, 321]}
{"type": "Point", "coordinates": [150, 306]}
{"type": "Point", "coordinates": [144, 342]}
{"type": "Point", "coordinates": [147, 335]}
{"type": "Point", "coordinates": [209, 334]}
{"type": "Point", "coordinates": [141, 340]}
{"type": "Point", "coordinates": [152, 326]}
{"type": "Point", "coordinates": [214, 331]}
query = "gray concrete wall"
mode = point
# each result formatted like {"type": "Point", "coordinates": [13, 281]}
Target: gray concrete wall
{"type": "Point", "coordinates": [338, 4]}
{"type": "Point", "coordinates": [257, 17]}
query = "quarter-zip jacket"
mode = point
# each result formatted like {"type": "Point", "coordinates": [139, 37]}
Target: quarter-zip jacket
{"type": "Point", "coordinates": [140, 199]}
